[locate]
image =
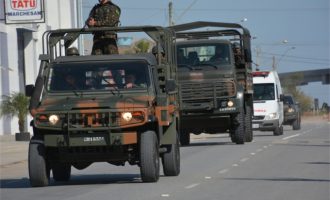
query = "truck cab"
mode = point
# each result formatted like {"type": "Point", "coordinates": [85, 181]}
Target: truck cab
{"type": "Point", "coordinates": [267, 102]}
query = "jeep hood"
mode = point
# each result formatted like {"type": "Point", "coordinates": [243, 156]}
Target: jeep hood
{"type": "Point", "coordinates": [64, 103]}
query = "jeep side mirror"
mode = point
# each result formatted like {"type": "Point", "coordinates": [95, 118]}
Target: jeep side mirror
{"type": "Point", "coordinates": [29, 89]}
{"type": "Point", "coordinates": [170, 85]}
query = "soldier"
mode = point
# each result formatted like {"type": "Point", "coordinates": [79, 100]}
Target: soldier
{"type": "Point", "coordinates": [104, 14]}
{"type": "Point", "coordinates": [72, 51]}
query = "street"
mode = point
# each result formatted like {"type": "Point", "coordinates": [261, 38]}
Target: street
{"type": "Point", "coordinates": [293, 166]}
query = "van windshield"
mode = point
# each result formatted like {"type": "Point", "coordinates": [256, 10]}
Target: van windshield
{"type": "Point", "coordinates": [263, 92]}
{"type": "Point", "coordinates": [83, 76]}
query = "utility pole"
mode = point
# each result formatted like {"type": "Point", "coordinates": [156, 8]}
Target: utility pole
{"type": "Point", "coordinates": [274, 63]}
{"type": "Point", "coordinates": [170, 13]}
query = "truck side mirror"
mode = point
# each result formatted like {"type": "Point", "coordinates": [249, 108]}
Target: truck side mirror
{"type": "Point", "coordinates": [170, 85]}
{"type": "Point", "coordinates": [29, 89]}
{"type": "Point", "coordinates": [281, 97]}
{"type": "Point", "coordinates": [247, 55]}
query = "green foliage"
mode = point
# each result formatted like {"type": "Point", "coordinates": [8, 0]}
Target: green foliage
{"type": "Point", "coordinates": [142, 46]}
{"type": "Point", "coordinates": [15, 105]}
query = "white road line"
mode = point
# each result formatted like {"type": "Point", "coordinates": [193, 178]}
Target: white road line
{"type": "Point", "coordinates": [235, 165]}
{"type": "Point", "coordinates": [223, 171]}
{"type": "Point", "coordinates": [244, 159]}
{"type": "Point", "coordinates": [165, 195]}
{"type": "Point", "coordinates": [207, 177]}
{"type": "Point", "coordinates": [253, 154]}
{"type": "Point", "coordinates": [265, 147]}
{"type": "Point", "coordinates": [289, 137]}
{"type": "Point", "coordinates": [192, 186]}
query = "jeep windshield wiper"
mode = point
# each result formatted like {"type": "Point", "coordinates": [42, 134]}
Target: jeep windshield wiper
{"type": "Point", "coordinates": [118, 92]}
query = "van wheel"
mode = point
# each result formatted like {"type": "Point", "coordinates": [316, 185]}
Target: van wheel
{"type": "Point", "coordinates": [184, 138]}
{"type": "Point", "coordinates": [278, 131]}
{"type": "Point", "coordinates": [238, 132]}
{"type": "Point", "coordinates": [171, 159]}
{"type": "Point", "coordinates": [39, 170]}
{"type": "Point", "coordinates": [61, 171]}
{"type": "Point", "coordinates": [248, 124]}
{"type": "Point", "coordinates": [149, 157]}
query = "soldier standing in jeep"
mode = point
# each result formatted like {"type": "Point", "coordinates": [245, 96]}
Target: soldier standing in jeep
{"type": "Point", "coordinates": [104, 14]}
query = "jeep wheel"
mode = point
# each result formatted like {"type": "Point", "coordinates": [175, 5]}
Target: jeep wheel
{"type": "Point", "coordinates": [238, 132]}
{"type": "Point", "coordinates": [184, 138]}
{"type": "Point", "coordinates": [39, 170]}
{"type": "Point", "coordinates": [61, 171]}
{"type": "Point", "coordinates": [171, 159]}
{"type": "Point", "coordinates": [248, 124]}
{"type": "Point", "coordinates": [278, 131]}
{"type": "Point", "coordinates": [296, 125]}
{"type": "Point", "coordinates": [149, 157]}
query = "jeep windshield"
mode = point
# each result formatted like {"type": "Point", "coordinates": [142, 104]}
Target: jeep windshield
{"type": "Point", "coordinates": [98, 76]}
{"type": "Point", "coordinates": [263, 92]}
{"type": "Point", "coordinates": [207, 55]}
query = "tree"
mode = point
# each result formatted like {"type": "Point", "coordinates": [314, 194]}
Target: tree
{"type": "Point", "coordinates": [17, 105]}
{"type": "Point", "coordinates": [142, 46]}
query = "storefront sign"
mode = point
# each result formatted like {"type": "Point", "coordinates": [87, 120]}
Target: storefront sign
{"type": "Point", "coordinates": [24, 11]}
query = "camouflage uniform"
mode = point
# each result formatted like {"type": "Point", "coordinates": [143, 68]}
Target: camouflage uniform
{"type": "Point", "coordinates": [105, 15]}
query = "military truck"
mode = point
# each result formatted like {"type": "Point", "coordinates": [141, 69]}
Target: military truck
{"type": "Point", "coordinates": [84, 110]}
{"type": "Point", "coordinates": [215, 80]}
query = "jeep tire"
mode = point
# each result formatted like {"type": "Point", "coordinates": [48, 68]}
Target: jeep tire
{"type": "Point", "coordinates": [39, 170]}
{"type": "Point", "coordinates": [149, 157]}
{"type": "Point", "coordinates": [171, 159]}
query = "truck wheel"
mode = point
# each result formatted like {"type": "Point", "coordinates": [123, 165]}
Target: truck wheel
{"type": "Point", "coordinates": [39, 170]}
{"type": "Point", "coordinates": [248, 124]}
{"type": "Point", "coordinates": [171, 159]}
{"type": "Point", "coordinates": [278, 131]}
{"type": "Point", "coordinates": [238, 133]}
{"type": "Point", "coordinates": [184, 138]}
{"type": "Point", "coordinates": [61, 171]}
{"type": "Point", "coordinates": [149, 157]}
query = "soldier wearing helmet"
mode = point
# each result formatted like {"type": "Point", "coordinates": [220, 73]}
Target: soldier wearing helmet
{"type": "Point", "coordinates": [156, 50]}
{"type": "Point", "coordinates": [72, 51]}
{"type": "Point", "coordinates": [104, 14]}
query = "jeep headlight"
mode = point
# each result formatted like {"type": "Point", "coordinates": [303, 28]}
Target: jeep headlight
{"type": "Point", "coordinates": [291, 110]}
{"type": "Point", "coordinates": [53, 119]}
{"type": "Point", "coordinates": [127, 116]}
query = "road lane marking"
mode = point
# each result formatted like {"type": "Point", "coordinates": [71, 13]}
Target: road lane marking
{"type": "Point", "coordinates": [165, 195]}
{"type": "Point", "coordinates": [244, 159]}
{"type": "Point", "coordinates": [192, 186]}
{"type": "Point", "coordinates": [207, 177]}
{"type": "Point", "coordinates": [253, 154]}
{"type": "Point", "coordinates": [223, 171]}
{"type": "Point", "coordinates": [292, 136]}
{"type": "Point", "coordinates": [235, 165]}
{"type": "Point", "coordinates": [265, 147]}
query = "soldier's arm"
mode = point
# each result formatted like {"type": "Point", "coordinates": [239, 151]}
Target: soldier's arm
{"type": "Point", "coordinates": [91, 15]}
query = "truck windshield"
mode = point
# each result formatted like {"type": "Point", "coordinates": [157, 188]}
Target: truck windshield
{"type": "Point", "coordinates": [263, 92]}
{"type": "Point", "coordinates": [83, 76]}
{"type": "Point", "coordinates": [203, 55]}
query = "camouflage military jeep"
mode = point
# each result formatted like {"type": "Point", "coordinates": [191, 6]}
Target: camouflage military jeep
{"type": "Point", "coordinates": [104, 108]}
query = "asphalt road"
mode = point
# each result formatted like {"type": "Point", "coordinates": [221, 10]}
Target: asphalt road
{"type": "Point", "coordinates": [293, 166]}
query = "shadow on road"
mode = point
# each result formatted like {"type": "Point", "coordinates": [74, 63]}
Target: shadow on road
{"type": "Point", "coordinates": [200, 144]}
{"type": "Point", "coordinates": [77, 180]}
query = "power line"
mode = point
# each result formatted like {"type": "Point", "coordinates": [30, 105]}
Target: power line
{"type": "Point", "coordinates": [298, 57]}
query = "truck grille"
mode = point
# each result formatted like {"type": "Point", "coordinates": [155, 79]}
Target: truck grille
{"type": "Point", "coordinates": [260, 117]}
{"type": "Point", "coordinates": [206, 91]}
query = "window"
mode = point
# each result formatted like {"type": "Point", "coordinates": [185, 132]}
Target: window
{"type": "Point", "coordinates": [263, 92]}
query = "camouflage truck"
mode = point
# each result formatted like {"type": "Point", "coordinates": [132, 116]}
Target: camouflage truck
{"type": "Point", "coordinates": [84, 109]}
{"type": "Point", "coordinates": [215, 80]}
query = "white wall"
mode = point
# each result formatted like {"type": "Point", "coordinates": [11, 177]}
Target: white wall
{"type": "Point", "coordinates": [59, 14]}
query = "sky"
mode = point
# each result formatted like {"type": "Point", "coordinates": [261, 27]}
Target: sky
{"type": "Point", "coordinates": [296, 32]}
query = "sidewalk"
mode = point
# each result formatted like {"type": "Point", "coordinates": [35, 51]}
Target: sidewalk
{"type": "Point", "coordinates": [11, 151]}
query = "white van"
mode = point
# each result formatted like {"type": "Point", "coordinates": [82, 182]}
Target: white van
{"type": "Point", "coordinates": [267, 102]}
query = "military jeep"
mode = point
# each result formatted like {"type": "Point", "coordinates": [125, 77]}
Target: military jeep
{"type": "Point", "coordinates": [86, 109]}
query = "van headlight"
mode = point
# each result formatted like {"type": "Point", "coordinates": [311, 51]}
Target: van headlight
{"type": "Point", "coordinates": [271, 116]}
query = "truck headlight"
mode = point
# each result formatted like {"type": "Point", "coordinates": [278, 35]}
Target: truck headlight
{"type": "Point", "coordinates": [53, 119]}
{"type": "Point", "coordinates": [230, 104]}
{"type": "Point", "coordinates": [291, 110]}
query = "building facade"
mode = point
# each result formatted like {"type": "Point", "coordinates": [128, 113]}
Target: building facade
{"type": "Point", "coordinates": [21, 44]}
